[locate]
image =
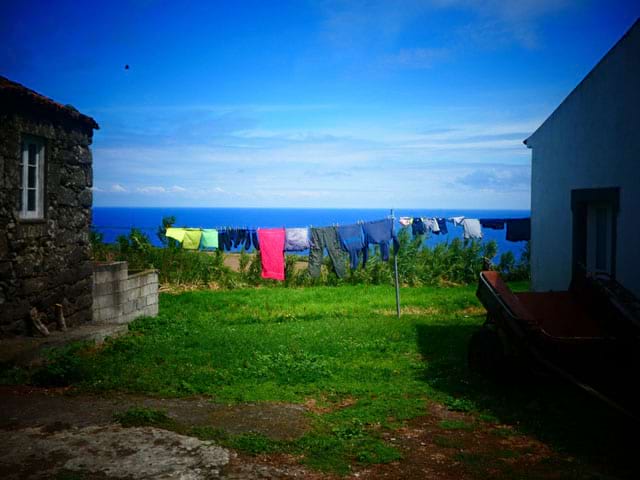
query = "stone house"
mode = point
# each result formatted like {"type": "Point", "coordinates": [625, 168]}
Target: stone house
{"type": "Point", "coordinates": [45, 209]}
{"type": "Point", "coordinates": [585, 190]}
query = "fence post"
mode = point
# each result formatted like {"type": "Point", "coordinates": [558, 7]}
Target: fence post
{"type": "Point", "coordinates": [395, 267]}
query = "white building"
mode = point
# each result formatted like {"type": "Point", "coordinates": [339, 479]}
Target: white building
{"type": "Point", "coordinates": [585, 192]}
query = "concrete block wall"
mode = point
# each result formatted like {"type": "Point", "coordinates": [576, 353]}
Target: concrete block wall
{"type": "Point", "coordinates": [120, 297]}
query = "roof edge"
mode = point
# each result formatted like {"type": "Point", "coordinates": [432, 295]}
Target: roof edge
{"type": "Point", "coordinates": [19, 94]}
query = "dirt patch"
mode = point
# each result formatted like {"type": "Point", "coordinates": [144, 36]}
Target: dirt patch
{"type": "Point", "coordinates": [440, 446]}
{"type": "Point", "coordinates": [410, 310]}
{"type": "Point", "coordinates": [57, 408]}
{"type": "Point", "coordinates": [472, 311]}
{"type": "Point", "coordinates": [232, 261]}
{"type": "Point", "coordinates": [312, 405]}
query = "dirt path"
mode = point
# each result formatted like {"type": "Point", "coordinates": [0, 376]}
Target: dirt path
{"type": "Point", "coordinates": [48, 433]}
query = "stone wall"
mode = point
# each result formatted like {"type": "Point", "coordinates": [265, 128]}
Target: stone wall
{"type": "Point", "coordinates": [119, 297]}
{"type": "Point", "coordinates": [44, 262]}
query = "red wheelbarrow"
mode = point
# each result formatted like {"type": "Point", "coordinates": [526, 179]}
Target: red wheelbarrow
{"type": "Point", "coordinates": [588, 335]}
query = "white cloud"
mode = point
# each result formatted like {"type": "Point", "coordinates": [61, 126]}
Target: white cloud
{"type": "Point", "coordinates": [177, 189]}
{"type": "Point", "coordinates": [151, 189]}
{"type": "Point", "coordinates": [96, 189]}
{"type": "Point", "coordinates": [117, 188]}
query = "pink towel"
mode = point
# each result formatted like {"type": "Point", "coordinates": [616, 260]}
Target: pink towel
{"type": "Point", "coordinates": [271, 242]}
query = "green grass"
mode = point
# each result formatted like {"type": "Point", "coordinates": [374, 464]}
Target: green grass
{"type": "Point", "coordinates": [144, 417]}
{"type": "Point", "coordinates": [331, 344]}
{"type": "Point", "coordinates": [283, 345]}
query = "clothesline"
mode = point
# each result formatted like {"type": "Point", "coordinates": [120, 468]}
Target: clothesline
{"type": "Point", "coordinates": [337, 224]}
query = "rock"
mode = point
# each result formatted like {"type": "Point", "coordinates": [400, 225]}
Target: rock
{"type": "Point", "coordinates": [109, 451]}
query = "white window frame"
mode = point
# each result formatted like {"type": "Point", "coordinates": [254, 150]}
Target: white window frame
{"type": "Point", "coordinates": [38, 212]}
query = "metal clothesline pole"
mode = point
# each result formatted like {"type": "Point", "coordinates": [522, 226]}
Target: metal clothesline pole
{"type": "Point", "coordinates": [395, 268]}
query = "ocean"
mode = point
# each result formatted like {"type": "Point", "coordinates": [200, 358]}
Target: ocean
{"type": "Point", "coordinates": [114, 221]}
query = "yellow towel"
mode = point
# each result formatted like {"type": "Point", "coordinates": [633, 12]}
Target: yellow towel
{"type": "Point", "coordinates": [176, 234]}
{"type": "Point", "coordinates": [192, 238]}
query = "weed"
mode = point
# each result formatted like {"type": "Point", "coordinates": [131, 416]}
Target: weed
{"type": "Point", "coordinates": [448, 442]}
{"type": "Point", "coordinates": [63, 366]}
{"type": "Point", "coordinates": [456, 425]}
{"type": "Point", "coordinates": [253, 443]}
{"type": "Point", "coordinates": [144, 417]}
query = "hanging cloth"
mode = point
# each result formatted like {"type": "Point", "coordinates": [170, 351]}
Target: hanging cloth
{"type": "Point", "coordinates": [175, 233]}
{"type": "Point", "coordinates": [192, 238]}
{"type": "Point", "coordinates": [518, 229]}
{"type": "Point", "coordinates": [241, 238]}
{"type": "Point", "coordinates": [405, 221]}
{"type": "Point", "coordinates": [209, 238]}
{"type": "Point", "coordinates": [433, 225]}
{"type": "Point", "coordinates": [254, 240]}
{"type": "Point", "coordinates": [326, 237]}
{"type": "Point", "coordinates": [442, 225]}
{"type": "Point", "coordinates": [296, 239]}
{"type": "Point", "coordinates": [457, 221]}
{"type": "Point", "coordinates": [472, 229]}
{"type": "Point", "coordinates": [492, 223]}
{"type": "Point", "coordinates": [380, 233]}
{"type": "Point", "coordinates": [272, 252]}
{"type": "Point", "coordinates": [225, 241]}
{"type": "Point", "coordinates": [352, 241]}
{"type": "Point", "coordinates": [418, 227]}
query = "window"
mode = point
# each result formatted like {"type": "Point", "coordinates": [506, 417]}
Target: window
{"type": "Point", "coordinates": [32, 178]}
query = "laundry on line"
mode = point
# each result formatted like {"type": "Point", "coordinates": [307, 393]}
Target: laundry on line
{"type": "Point", "coordinates": [341, 242]}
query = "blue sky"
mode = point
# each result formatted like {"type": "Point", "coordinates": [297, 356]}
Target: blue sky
{"type": "Point", "coordinates": [413, 103]}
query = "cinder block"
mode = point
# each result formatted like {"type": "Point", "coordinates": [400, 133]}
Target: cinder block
{"type": "Point", "coordinates": [141, 303]}
{"type": "Point", "coordinates": [105, 288]}
{"type": "Point", "coordinates": [152, 299]}
{"type": "Point", "coordinates": [131, 295]}
{"type": "Point", "coordinates": [109, 313]}
{"type": "Point", "coordinates": [133, 282]}
{"type": "Point", "coordinates": [128, 307]}
{"type": "Point", "coordinates": [96, 315]}
{"type": "Point", "coordinates": [151, 310]}
{"type": "Point", "coordinates": [147, 289]}
{"type": "Point", "coordinates": [104, 301]}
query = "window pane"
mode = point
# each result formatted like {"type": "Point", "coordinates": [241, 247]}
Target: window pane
{"type": "Point", "coordinates": [33, 149]}
{"type": "Point", "coordinates": [32, 177]}
{"type": "Point", "coordinates": [31, 200]}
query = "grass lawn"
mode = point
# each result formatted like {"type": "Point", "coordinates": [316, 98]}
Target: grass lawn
{"type": "Point", "coordinates": [329, 347]}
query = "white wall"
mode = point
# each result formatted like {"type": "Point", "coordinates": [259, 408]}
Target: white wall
{"type": "Point", "coordinates": [592, 140]}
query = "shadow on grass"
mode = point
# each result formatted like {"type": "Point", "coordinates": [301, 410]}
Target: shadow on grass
{"type": "Point", "coordinates": [557, 413]}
